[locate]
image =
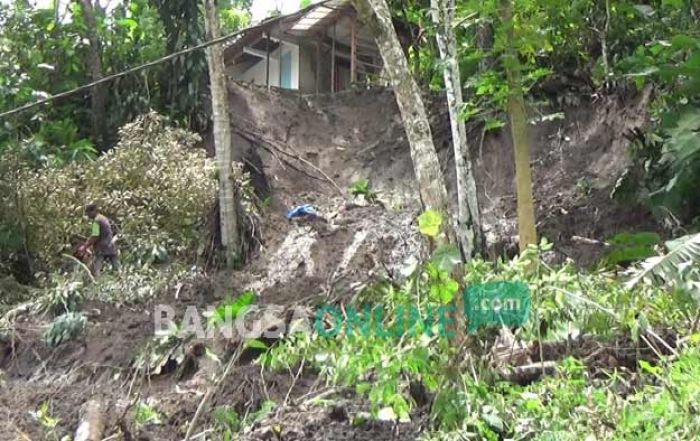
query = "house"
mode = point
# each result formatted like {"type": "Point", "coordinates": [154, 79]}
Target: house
{"type": "Point", "coordinates": [322, 48]}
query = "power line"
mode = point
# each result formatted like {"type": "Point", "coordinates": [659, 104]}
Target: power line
{"type": "Point", "coordinates": [126, 72]}
{"type": "Point", "coordinates": [108, 78]}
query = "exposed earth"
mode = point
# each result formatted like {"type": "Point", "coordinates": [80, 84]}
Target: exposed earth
{"type": "Point", "coordinates": [310, 150]}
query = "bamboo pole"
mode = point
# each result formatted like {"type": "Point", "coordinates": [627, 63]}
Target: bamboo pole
{"type": "Point", "coordinates": [353, 49]}
{"type": "Point", "coordinates": [333, 60]}
{"type": "Point", "coordinates": [267, 60]}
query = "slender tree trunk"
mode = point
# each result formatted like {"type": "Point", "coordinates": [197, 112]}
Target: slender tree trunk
{"type": "Point", "coordinates": [520, 133]}
{"type": "Point", "coordinates": [98, 94]}
{"type": "Point", "coordinates": [222, 138]}
{"type": "Point", "coordinates": [468, 231]}
{"type": "Point", "coordinates": [376, 14]}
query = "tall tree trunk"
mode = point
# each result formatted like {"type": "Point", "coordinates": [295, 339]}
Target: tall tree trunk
{"type": "Point", "coordinates": [468, 231]}
{"type": "Point", "coordinates": [520, 133]}
{"type": "Point", "coordinates": [222, 138]}
{"type": "Point", "coordinates": [98, 94]}
{"type": "Point", "coordinates": [376, 14]}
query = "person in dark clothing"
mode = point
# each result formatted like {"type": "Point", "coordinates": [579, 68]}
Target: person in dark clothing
{"type": "Point", "coordinates": [101, 240]}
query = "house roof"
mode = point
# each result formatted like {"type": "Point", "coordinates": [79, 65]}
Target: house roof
{"type": "Point", "coordinates": [302, 23]}
{"type": "Point", "coordinates": [323, 12]}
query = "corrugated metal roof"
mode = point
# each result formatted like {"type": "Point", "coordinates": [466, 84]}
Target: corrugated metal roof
{"type": "Point", "coordinates": [318, 14]}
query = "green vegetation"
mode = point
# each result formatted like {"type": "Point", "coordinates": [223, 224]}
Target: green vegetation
{"type": "Point", "coordinates": [232, 308]}
{"type": "Point", "coordinates": [363, 188]}
{"type": "Point", "coordinates": [229, 423]}
{"type": "Point", "coordinates": [46, 420]}
{"type": "Point", "coordinates": [468, 393]}
{"type": "Point", "coordinates": [621, 340]}
{"type": "Point", "coordinates": [65, 327]}
{"type": "Point", "coordinates": [627, 248]}
{"type": "Point", "coordinates": [146, 414]}
{"type": "Point", "coordinates": [155, 186]}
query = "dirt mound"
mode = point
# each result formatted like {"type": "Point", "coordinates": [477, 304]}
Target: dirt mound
{"type": "Point", "coordinates": [333, 256]}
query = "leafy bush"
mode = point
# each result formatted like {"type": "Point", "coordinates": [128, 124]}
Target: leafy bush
{"type": "Point", "coordinates": [64, 294]}
{"type": "Point", "coordinates": [154, 185]}
{"type": "Point", "coordinates": [573, 406]}
{"type": "Point", "coordinates": [66, 327]}
{"type": "Point", "coordinates": [631, 247]}
{"type": "Point", "coordinates": [137, 284]}
{"type": "Point", "coordinates": [677, 269]}
{"type": "Point", "coordinates": [382, 365]}
{"type": "Point", "coordinates": [227, 422]}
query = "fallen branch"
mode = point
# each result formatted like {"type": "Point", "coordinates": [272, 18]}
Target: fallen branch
{"type": "Point", "coordinates": [588, 241]}
{"type": "Point", "coordinates": [294, 382]}
{"type": "Point", "coordinates": [212, 389]}
{"type": "Point", "coordinates": [82, 265]}
{"type": "Point", "coordinates": [273, 152]}
{"type": "Point", "coordinates": [272, 144]}
{"type": "Point", "coordinates": [12, 314]}
{"type": "Point", "coordinates": [529, 372]}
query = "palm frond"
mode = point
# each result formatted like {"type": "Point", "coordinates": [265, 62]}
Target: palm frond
{"type": "Point", "coordinates": [683, 253]}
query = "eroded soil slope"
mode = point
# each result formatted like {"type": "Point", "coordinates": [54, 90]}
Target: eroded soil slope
{"type": "Point", "coordinates": [310, 150]}
{"type": "Point", "coordinates": [577, 159]}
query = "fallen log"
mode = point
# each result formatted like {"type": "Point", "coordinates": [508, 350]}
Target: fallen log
{"type": "Point", "coordinates": [526, 374]}
{"type": "Point", "coordinates": [92, 422]}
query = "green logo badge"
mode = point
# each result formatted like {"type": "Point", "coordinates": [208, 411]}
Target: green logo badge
{"type": "Point", "coordinates": [496, 304]}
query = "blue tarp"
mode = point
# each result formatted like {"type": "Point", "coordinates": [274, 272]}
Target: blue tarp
{"type": "Point", "coordinates": [302, 211]}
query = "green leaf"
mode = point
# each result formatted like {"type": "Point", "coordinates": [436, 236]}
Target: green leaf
{"type": "Point", "coordinates": [446, 257]}
{"type": "Point", "coordinates": [429, 223]}
{"type": "Point", "coordinates": [232, 309]}
{"type": "Point", "coordinates": [684, 42]}
{"type": "Point", "coordinates": [493, 123]}
{"type": "Point", "coordinates": [257, 344]}
{"type": "Point", "coordinates": [649, 368]}
{"type": "Point", "coordinates": [682, 252]}
{"type": "Point", "coordinates": [129, 23]}
{"type": "Point", "coordinates": [493, 420]}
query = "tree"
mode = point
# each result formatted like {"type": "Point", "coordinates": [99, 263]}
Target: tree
{"type": "Point", "coordinates": [230, 239]}
{"type": "Point", "coordinates": [376, 14]}
{"type": "Point", "coordinates": [98, 95]}
{"type": "Point", "coordinates": [519, 131]}
{"type": "Point", "coordinates": [469, 233]}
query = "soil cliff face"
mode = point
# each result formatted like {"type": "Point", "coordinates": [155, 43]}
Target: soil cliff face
{"type": "Point", "coordinates": [577, 158]}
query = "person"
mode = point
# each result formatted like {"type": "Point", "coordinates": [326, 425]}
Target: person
{"type": "Point", "coordinates": [101, 240]}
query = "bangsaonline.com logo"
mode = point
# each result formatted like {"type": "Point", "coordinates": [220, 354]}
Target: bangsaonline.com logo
{"type": "Point", "coordinates": [493, 303]}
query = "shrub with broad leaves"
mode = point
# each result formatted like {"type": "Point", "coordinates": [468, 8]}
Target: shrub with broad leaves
{"type": "Point", "coordinates": [154, 185]}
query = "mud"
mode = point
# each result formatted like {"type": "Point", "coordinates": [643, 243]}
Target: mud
{"type": "Point", "coordinates": [310, 150]}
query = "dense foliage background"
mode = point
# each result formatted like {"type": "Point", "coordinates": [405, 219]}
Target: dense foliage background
{"type": "Point", "coordinates": [135, 151]}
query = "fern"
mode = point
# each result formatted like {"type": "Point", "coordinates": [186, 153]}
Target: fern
{"type": "Point", "coordinates": [684, 253]}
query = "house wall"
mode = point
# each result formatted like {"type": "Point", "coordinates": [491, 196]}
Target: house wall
{"type": "Point", "coordinates": [257, 73]}
{"type": "Point", "coordinates": [325, 75]}
{"type": "Point", "coordinates": [307, 67]}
